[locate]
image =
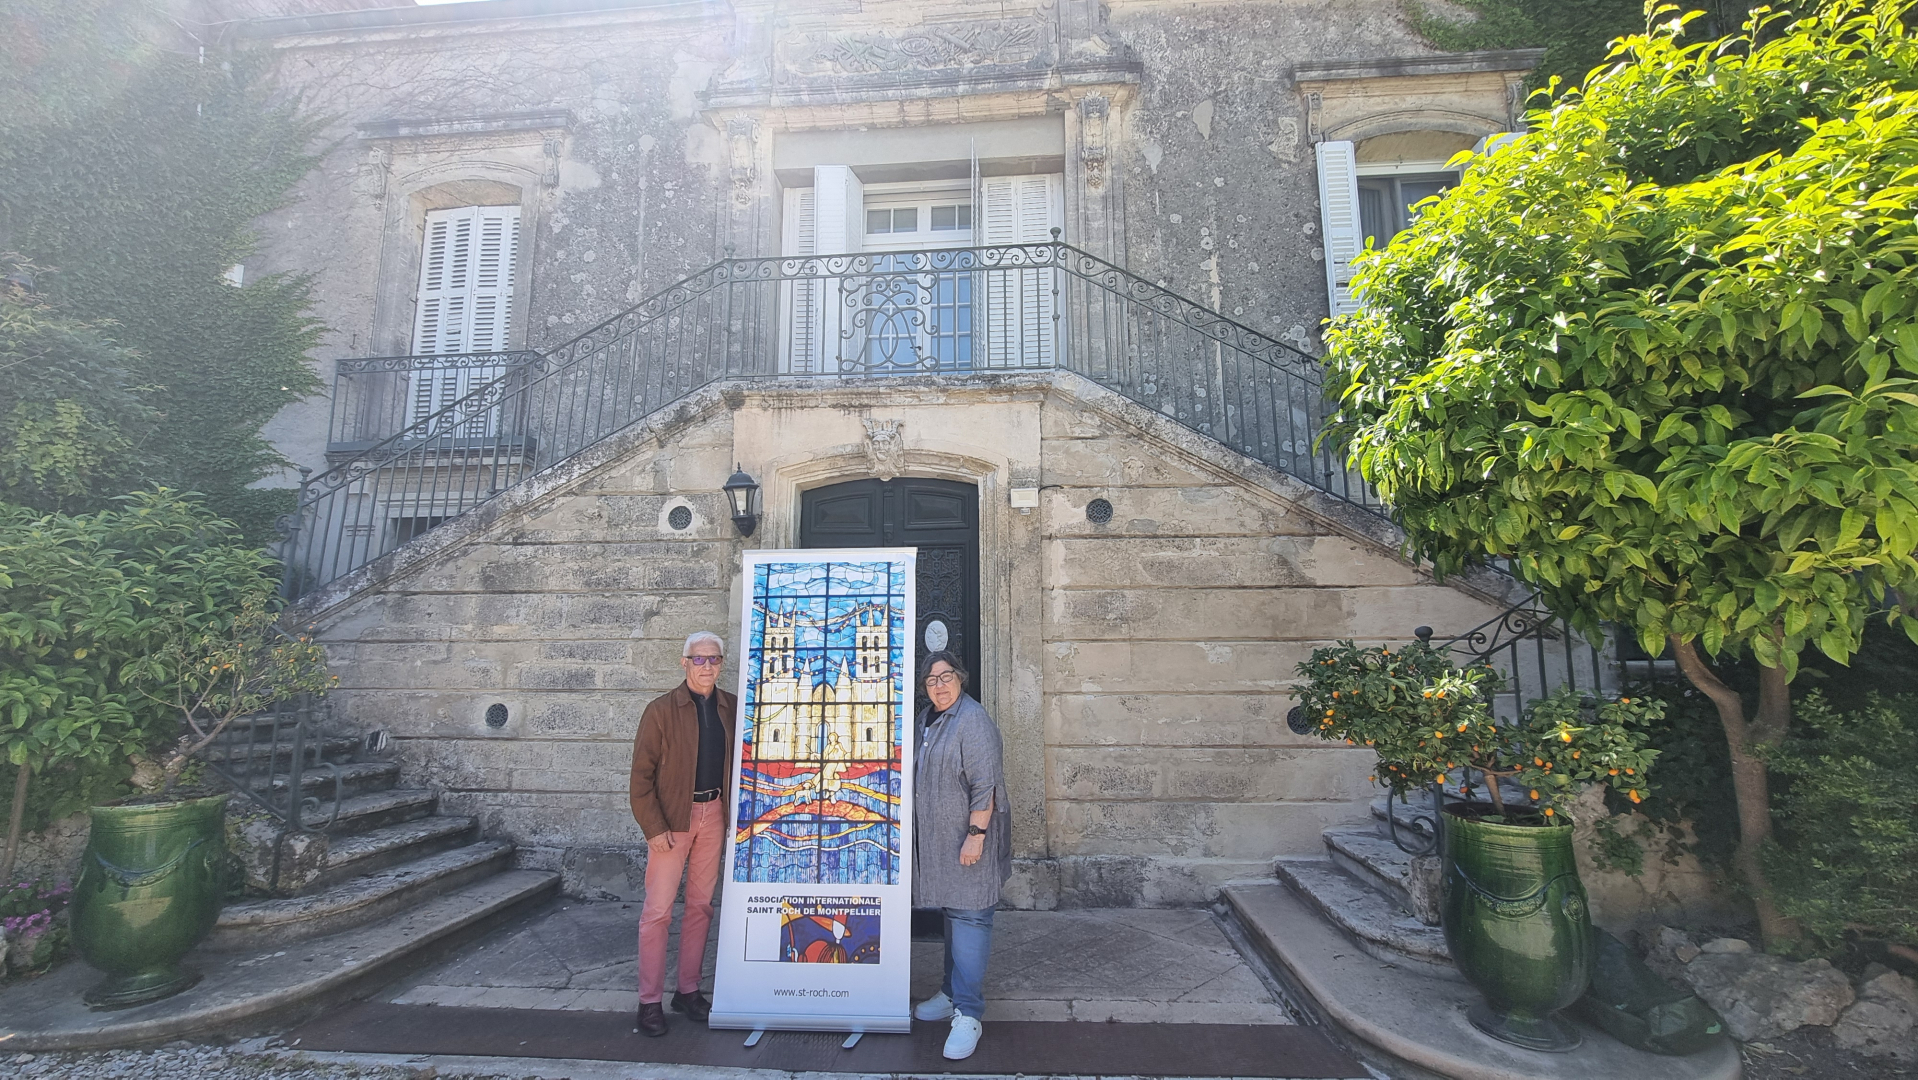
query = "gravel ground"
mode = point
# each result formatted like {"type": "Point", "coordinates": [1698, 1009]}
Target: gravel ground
{"type": "Point", "coordinates": [1810, 1054]}
{"type": "Point", "coordinates": [183, 1061]}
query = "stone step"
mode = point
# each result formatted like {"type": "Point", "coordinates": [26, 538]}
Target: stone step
{"type": "Point", "coordinates": [269, 759]}
{"type": "Point", "coordinates": [364, 813]}
{"type": "Point", "coordinates": [358, 778]}
{"type": "Point", "coordinates": [1417, 1021]}
{"type": "Point", "coordinates": [1419, 804]}
{"type": "Point", "coordinates": [241, 990]}
{"type": "Point", "coordinates": [257, 924]}
{"type": "Point", "coordinates": [1376, 862]}
{"type": "Point", "coordinates": [1377, 925]}
{"type": "Point", "coordinates": [390, 845]}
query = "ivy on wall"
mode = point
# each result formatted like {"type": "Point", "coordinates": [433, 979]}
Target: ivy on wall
{"type": "Point", "coordinates": [133, 170]}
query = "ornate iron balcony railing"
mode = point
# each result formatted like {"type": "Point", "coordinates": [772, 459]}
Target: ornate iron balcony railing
{"type": "Point", "coordinates": [401, 464]}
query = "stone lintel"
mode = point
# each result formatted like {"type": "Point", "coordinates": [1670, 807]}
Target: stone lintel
{"type": "Point", "coordinates": [560, 120]}
{"type": "Point", "coordinates": [448, 16]}
{"type": "Point", "coordinates": [1390, 67]}
{"type": "Point", "coordinates": [957, 82]}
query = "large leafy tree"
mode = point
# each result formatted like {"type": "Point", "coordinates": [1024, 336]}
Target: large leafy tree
{"type": "Point", "coordinates": [1576, 37]}
{"type": "Point", "coordinates": [132, 166]}
{"type": "Point", "coordinates": [1660, 354]}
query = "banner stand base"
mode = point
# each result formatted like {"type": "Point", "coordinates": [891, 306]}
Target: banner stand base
{"type": "Point", "coordinates": [753, 1039]}
{"type": "Point", "coordinates": [851, 1040]}
{"type": "Point", "coordinates": [760, 1024]}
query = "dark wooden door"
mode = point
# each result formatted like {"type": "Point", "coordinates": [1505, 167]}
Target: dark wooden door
{"type": "Point", "coordinates": [941, 519]}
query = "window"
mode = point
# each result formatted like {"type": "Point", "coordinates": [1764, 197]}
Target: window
{"type": "Point", "coordinates": [465, 303]}
{"type": "Point", "coordinates": [1361, 203]}
{"type": "Point", "coordinates": [1386, 202]}
{"type": "Point", "coordinates": [925, 318]}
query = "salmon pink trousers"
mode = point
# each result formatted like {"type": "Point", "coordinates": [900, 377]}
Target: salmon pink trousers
{"type": "Point", "coordinates": [696, 853]}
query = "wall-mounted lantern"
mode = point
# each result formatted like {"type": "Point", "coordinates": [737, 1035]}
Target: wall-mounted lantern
{"type": "Point", "coordinates": [743, 492]}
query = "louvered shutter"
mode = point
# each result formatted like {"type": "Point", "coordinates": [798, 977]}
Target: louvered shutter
{"type": "Point", "coordinates": [804, 299]}
{"type": "Point", "coordinates": [1020, 304]}
{"type": "Point", "coordinates": [465, 303]}
{"type": "Point", "coordinates": [1339, 218]}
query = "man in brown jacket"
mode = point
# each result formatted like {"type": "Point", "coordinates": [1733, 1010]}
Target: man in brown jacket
{"type": "Point", "coordinates": [682, 770]}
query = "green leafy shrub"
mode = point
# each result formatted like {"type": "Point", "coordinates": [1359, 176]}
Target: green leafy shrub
{"type": "Point", "coordinates": [119, 627]}
{"type": "Point", "coordinates": [1424, 718]}
{"type": "Point", "coordinates": [1845, 857]}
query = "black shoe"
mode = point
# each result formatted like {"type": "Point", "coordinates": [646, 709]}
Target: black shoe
{"type": "Point", "coordinates": [693, 1005]}
{"type": "Point", "coordinates": [651, 1019]}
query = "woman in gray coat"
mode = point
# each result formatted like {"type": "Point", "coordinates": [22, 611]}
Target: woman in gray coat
{"type": "Point", "coordinates": [962, 845]}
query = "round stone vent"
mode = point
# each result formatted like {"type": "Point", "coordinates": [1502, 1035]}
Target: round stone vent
{"type": "Point", "coordinates": [496, 715]}
{"type": "Point", "coordinates": [1296, 719]}
{"type": "Point", "coordinates": [1098, 511]}
{"type": "Point", "coordinates": [680, 517]}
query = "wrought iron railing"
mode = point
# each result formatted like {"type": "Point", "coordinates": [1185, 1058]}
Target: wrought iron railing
{"type": "Point", "coordinates": [378, 397]}
{"type": "Point", "coordinates": [951, 312]}
{"type": "Point", "coordinates": [268, 759]}
{"type": "Point", "coordinates": [1536, 653]}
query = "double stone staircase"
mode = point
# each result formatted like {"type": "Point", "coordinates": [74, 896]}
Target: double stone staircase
{"type": "Point", "coordinates": [388, 884]}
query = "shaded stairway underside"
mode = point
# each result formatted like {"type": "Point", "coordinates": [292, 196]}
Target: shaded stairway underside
{"type": "Point", "coordinates": [399, 466]}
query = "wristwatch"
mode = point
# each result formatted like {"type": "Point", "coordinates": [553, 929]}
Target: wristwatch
{"type": "Point", "coordinates": [974, 830]}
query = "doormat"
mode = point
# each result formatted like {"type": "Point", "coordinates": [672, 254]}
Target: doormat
{"type": "Point", "coordinates": [1009, 1047]}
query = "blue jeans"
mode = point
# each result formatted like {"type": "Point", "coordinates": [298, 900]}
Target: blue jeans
{"type": "Point", "coordinates": [968, 945]}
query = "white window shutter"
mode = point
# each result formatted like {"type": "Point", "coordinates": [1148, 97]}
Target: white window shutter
{"type": "Point", "coordinates": [840, 209]}
{"type": "Point", "coordinates": [1339, 218]}
{"type": "Point", "coordinates": [804, 299]}
{"type": "Point", "coordinates": [1020, 328]}
{"type": "Point", "coordinates": [468, 265]}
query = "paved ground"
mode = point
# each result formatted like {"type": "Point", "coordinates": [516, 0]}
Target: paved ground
{"type": "Point", "coordinates": [1126, 965]}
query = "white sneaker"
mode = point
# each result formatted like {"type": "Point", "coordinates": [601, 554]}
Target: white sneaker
{"type": "Point", "coordinates": [964, 1038]}
{"type": "Point", "coordinates": [936, 1007]}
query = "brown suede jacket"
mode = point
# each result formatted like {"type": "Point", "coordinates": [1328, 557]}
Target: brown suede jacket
{"type": "Point", "coordinates": [665, 755]}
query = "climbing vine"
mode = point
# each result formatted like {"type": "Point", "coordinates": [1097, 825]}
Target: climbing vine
{"type": "Point", "coordinates": [134, 169]}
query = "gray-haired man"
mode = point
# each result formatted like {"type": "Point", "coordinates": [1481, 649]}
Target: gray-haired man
{"type": "Point", "coordinates": [682, 762]}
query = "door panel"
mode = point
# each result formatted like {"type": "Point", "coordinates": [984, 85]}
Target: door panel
{"type": "Point", "coordinates": [938, 517]}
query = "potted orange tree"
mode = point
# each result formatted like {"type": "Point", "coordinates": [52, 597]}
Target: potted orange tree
{"type": "Point", "coordinates": [1514, 910]}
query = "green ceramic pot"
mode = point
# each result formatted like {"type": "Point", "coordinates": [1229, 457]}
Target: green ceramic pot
{"type": "Point", "coordinates": [1516, 920]}
{"type": "Point", "coordinates": [151, 885]}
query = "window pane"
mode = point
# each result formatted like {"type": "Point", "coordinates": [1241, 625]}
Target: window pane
{"type": "Point", "coordinates": [878, 221]}
{"type": "Point", "coordinates": [1376, 219]}
{"type": "Point", "coordinates": [965, 216]}
{"type": "Point", "coordinates": [945, 218]}
{"type": "Point", "coordinates": [1415, 191]}
{"type": "Point", "coordinates": [905, 219]}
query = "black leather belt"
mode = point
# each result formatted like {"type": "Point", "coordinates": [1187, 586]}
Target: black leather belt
{"type": "Point", "coordinates": [706, 796]}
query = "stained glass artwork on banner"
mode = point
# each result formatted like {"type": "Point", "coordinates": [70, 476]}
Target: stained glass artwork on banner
{"type": "Point", "coordinates": [825, 677]}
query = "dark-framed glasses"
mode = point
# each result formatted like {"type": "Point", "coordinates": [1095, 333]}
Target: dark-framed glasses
{"type": "Point", "coordinates": [706, 661]}
{"type": "Point", "coordinates": [944, 678]}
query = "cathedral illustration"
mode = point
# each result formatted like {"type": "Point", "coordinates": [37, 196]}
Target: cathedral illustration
{"type": "Point", "coordinates": [827, 709]}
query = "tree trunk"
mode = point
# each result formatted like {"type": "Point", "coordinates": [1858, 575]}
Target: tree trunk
{"type": "Point", "coordinates": [1751, 782]}
{"type": "Point", "coordinates": [14, 822]}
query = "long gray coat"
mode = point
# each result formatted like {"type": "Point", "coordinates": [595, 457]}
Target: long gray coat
{"type": "Point", "coordinates": [958, 768]}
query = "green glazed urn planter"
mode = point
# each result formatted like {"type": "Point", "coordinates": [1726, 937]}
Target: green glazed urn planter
{"type": "Point", "coordinates": [151, 885]}
{"type": "Point", "coordinates": [1516, 919]}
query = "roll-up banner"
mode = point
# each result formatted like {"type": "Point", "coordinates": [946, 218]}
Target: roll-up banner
{"type": "Point", "coordinates": [815, 923]}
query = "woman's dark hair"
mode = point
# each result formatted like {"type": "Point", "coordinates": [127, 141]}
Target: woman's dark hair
{"type": "Point", "coordinates": [953, 662]}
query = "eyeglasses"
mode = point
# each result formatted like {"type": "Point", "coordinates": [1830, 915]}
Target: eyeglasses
{"type": "Point", "coordinates": [706, 661]}
{"type": "Point", "coordinates": [944, 678]}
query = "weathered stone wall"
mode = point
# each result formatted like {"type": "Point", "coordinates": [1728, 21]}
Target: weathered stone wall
{"type": "Point", "coordinates": [640, 141]}
{"type": "Point", "coordinates": [1139, 668]}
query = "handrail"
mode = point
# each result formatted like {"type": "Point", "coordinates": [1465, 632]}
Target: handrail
{"type": "Point", "coordinates": [948, 311]}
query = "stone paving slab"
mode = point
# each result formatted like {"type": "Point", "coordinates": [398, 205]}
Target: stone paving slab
{"type": "Point", "coordinates": [1125, 965]}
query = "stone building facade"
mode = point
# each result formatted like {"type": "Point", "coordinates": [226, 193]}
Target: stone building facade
{"type": "Point", "coordinates": [506, 175]}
